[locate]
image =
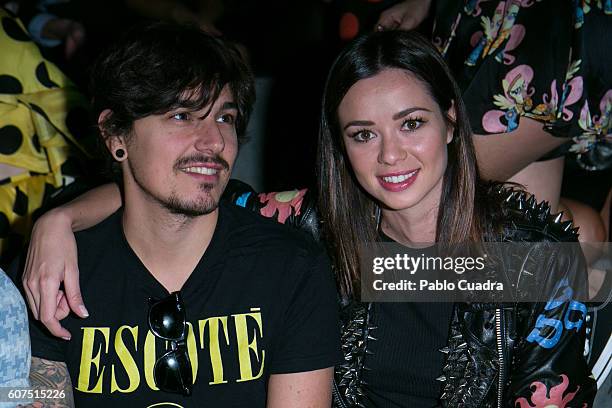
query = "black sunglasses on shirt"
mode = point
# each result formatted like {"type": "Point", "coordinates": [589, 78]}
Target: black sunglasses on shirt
{"type": "Point", "coordinates": [167, 320]}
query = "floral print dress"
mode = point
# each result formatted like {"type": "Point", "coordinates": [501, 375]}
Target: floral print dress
{"type": "Point", "coordinates": [548, 60]}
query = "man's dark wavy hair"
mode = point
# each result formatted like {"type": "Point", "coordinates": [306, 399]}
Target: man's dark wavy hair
{"type": "Point", "coordinates": [158, 67]}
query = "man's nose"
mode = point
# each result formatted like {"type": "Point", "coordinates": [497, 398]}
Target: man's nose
{"type": "Point", "coordinates": [210, 138]}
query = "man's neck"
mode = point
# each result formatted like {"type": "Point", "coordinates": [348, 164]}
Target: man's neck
{"type": "Point", "coordinates": [169, 245]}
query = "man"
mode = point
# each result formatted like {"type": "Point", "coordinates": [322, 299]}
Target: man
{"type": "Point", "coordinates": [14, 344]}
{"type": "Point", "coordinates": [191, 303]}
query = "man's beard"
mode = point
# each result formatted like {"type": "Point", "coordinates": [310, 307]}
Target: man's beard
{"type": "Point", "coordinates": [190, 209]}
{"type": "Point", "coordinates": [175, 205]}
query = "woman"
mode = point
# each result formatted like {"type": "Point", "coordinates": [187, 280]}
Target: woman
{"type": "Point", "coordinates": [536, 86]}
{"type": "Point", "coordinates": [532, 76]}
{"type": "Point", "coordinates": [397, 163]}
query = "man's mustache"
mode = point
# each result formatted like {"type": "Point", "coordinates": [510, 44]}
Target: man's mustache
{"type": "Point", "coordinates": [201, 158]}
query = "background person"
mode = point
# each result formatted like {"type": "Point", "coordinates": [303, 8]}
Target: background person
{"type": "Point", "coordinates": [44, 138]}
{"type": "Point", "coordinates": [14, 342]}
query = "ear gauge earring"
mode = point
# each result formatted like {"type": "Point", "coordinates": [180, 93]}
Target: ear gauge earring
{"type": "Point", "coordinates": [119, 153]}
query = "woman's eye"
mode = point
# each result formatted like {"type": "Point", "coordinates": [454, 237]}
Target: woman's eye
{"type": "Point", "coordinates": [226, 118]}
{"type": "Point", "coordinates": [180, 116]}
{"type": "Point", "coordinates": [412, 124]}
{"type": "Point", "coordinates": [363, 136]}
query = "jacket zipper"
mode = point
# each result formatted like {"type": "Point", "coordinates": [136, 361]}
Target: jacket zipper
{"type": "Point", "coordinates": [337, 397]}
{"type": "Point", "coordinates": [500, 355]}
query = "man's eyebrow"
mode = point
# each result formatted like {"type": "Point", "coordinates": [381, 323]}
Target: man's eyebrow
{"type": "Point", "coordinates": [408, 111]}
{"type": "Point", "coordinates": [229, 105]}
{"type": "Point", "coordinates": [186, 104]}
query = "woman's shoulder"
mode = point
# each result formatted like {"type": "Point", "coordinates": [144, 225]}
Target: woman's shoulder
{"type": "Point", "coordinates": [516, 215]}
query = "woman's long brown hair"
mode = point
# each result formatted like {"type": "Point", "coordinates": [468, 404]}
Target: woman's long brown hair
{"type": "Point", "coordinates": [349, 214]}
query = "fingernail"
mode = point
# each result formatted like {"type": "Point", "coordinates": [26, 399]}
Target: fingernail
{"type": "Point", "coordinates": [84, 311]}
{"type": "Point", "coordinates": [67, 338]}
{"type": "Point", "coordinates": [379, 27]}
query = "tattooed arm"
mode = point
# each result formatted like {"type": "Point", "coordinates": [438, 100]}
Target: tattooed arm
{"type": "Point", "coordinates": [51, 375]}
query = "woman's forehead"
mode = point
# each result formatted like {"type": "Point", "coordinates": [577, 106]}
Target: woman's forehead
{"type": "Point", "coordinates": [389, 89]}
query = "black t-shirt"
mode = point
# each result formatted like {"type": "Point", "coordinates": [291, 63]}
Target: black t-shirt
{"type": "Point", "coordinates": [405, 359]}
{"type": "Point", "coordinates": [261, 301]}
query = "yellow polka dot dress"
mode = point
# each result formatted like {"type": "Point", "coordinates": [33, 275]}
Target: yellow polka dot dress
{"type": "Point", "coordinates": [42, 118]}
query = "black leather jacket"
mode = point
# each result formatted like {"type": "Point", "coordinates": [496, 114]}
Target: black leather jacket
{"type": "Point", "coordinates": [489, 360]}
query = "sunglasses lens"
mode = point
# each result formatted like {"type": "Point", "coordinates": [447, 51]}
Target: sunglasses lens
{"type": "Point", "coordinates": [167, 318]}
{"type": "Point", "coordinates": [172, 372]}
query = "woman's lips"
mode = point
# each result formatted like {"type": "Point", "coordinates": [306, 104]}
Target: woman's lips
{"type": "Point", "coordinates": [398, 181]}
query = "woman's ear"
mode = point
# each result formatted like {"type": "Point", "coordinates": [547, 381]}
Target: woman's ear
{"type": "Point", "coordinates": [451, 116]}
{"type": "Point", "coordinates": [114, 143]}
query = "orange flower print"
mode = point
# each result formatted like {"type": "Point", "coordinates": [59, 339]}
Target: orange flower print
{"type": "Point", "coordinates": [285, 202]}
{"type": "Point", "coordinates": [541, 397]}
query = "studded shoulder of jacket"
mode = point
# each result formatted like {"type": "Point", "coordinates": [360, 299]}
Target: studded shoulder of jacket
{"type": "Point", "coordinates": [526, 219]}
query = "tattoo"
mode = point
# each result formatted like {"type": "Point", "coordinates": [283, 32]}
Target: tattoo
{"type": "Point", "coordinates": [51, 375]}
